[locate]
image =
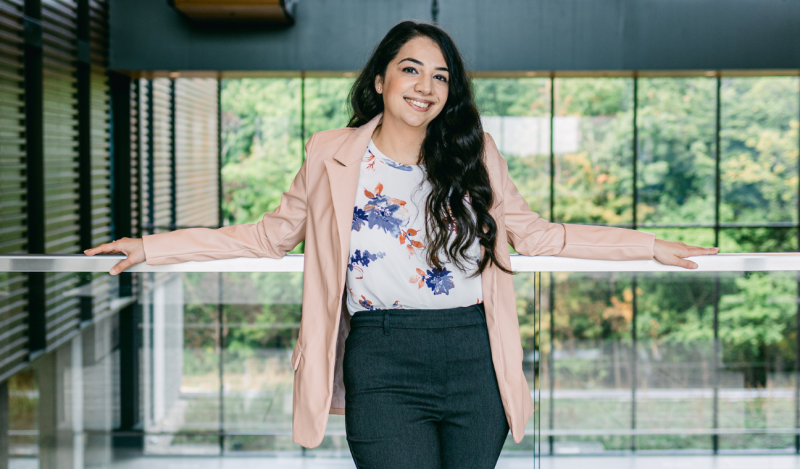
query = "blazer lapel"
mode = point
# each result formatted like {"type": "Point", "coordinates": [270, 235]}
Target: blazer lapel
{"type": "Point", "coordinates": [343, 171]}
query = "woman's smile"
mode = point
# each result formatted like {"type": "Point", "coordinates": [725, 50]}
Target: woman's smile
{"type": "Point", "coordinates": [418, 105]}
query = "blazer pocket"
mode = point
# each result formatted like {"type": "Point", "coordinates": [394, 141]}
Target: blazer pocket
{"type": "Point", "coordinates": [296, 354]}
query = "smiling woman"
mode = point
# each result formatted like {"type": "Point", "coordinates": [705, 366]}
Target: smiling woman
{"type": "Point", "coordinates": [407, 215]}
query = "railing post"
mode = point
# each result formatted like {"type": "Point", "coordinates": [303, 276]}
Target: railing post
{"type": "Point", "coordinates": [715, 422]}
{"type": "Point", "coordinates": [634, 366]}
{"type": "Point", "coordinates": [551, 365]}
{"type": "Point", "coordinates": [173, 158]}
{"type": "Point", "coordinates": [797, 371]}
{"type": "Point", "coordinates": [121, 223]}
{"type": "Point", "coordinates": [84, 90]}
{"type": "Point", "coordinates": [4, 424]}
{"type": "Point", "coordinates": [34, 147]}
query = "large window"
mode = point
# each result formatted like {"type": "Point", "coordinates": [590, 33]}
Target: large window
{"type": "Point", "coordinates": [625, 362]}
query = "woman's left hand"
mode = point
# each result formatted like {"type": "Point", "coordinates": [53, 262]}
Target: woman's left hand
{"type": "Point", "coordinates": [672, 253]}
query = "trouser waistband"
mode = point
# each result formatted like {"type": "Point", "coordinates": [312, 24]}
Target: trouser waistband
{"type": "Point", "coordinates": [419, 318]}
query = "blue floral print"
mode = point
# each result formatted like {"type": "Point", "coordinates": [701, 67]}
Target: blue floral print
{"type": "Point", "coordinates": [388, 237]}
{"type": "Point", "coordinates": [369, 158]}
{"type": "Point", "coordinates": [359, 218]}
{"type": "Point", "coordinates": [385, 212]}
{"type": "Point", "coordinates": [367, 304]}
{"type": "Point", "coordinates": [438, 280]}
{"type": "Point", "coordinates": [396, 165]}
{"type": "Point", "coordinates": [363, 260]}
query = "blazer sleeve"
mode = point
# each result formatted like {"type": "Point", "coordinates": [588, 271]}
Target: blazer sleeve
{"type": "Point", "coordinates": [277, 233]}
{"type": "Point", "coordinates": [531, 235]}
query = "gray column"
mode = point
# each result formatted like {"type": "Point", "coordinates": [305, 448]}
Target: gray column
{"type": "Point", "coordinates": [60, 379]}
{"type": "Point", "coordinates": [4, 425]}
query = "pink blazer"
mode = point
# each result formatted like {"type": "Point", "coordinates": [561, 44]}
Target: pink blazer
{"type": "Point", "coordinates": [318, 208]}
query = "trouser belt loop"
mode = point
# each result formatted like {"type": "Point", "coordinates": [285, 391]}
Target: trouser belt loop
{"type": "Point", "coordinates": [386, 323]}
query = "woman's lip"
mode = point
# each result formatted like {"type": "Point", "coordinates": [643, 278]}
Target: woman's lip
{"type": "Point", "coordinates": [415, 107]}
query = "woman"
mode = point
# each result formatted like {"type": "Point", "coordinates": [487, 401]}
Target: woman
{"type": "Point", "coordinates": [406, 216]}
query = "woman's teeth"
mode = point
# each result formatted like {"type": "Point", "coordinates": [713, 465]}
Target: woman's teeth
{"type": "Point", "coordinates": [417, 103]}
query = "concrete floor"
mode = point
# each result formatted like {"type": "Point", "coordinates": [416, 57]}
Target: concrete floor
{"type": "Point", "coordinates": [561, 462]}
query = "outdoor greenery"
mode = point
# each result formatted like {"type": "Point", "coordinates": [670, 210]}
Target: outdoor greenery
{"type": "Point", "coordinates": [590, 346]}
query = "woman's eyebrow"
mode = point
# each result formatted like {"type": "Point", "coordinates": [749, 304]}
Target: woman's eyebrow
{"type": "Point", "coordinates": [420, 63]}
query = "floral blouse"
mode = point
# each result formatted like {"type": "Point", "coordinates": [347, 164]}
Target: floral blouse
{"type": "Point", "coordinates": [387, 267]}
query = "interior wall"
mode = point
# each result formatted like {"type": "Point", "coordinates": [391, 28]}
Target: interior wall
{"type": "Point", "coordinates": [498, 35]}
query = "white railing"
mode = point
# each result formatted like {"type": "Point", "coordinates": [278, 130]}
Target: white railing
{"type": "Point", "coordinates": [756, 262]}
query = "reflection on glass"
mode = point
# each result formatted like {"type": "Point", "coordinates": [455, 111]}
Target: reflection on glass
{"type": "Point", "coordinates": [591, 360]}
{"type": "Point", "coordinates": [757, 331]}
{"type": "Point", "coordinates": [516, 113]}
{"type": "Point", "coordinates": [526, 286]}
{"type": "Point", "coordinates": [676, 131]}
{"type": "Point", "coordinates": [759, 149]}
{"type": "Point", "coordinates": [592, 142]}
{"type": "Point", "coordinates": [181, 374]}
{"type": "Point", "coordinates": [675, 372]}
{"type": "Point", "coordinates": [261, 314]}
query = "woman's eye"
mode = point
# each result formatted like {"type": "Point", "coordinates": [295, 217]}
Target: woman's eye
{"type": "Point", "coordinates": [410, 68]}
{"type": "Point", "coordinates": [442, 78]}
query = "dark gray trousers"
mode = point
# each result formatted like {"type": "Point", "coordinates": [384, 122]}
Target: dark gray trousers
{"type": "Point", "coordinates": [421, 390]}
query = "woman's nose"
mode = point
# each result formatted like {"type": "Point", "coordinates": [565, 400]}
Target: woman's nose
{"type": "Point", "coordinates": [424, 85]}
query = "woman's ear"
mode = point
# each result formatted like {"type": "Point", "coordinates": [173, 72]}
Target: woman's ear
{"type": "Point", "coordinates": [379, 84]}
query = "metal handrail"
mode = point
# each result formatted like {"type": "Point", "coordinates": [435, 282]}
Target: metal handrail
{"type": "Point", "coordinates": [755, 262]}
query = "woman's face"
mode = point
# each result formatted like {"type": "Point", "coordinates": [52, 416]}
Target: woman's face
{"type": "Point", "coordinates": [416, 83]}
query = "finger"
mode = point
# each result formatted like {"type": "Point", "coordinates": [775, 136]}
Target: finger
{"type": "Point", "coordinates": [102, 249]}
{"type": "Point", "coordinates": [120, 267]}
{"type": "Point", "coordinates": [698, 251]}
{"type": "Point", "coordinates": [706, 251]}
{"type": "Point", "coordinates": [686, 264]}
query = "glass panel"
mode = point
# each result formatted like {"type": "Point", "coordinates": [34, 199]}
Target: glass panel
{"type": "Point", "coordinates": [592, 141]}
{"type": "Point", "coordinates": [591, 347]}
{"type": "Point", "coordinates": [516, 113]}
{"type": "Point", "coordinates": [757, 330]}
{"type": "Point", "coordinates": [326, 104]}
{"type": "Point", "coordinates": [531, 321]}
{"type": "Point", "coordinates": [675, 368]}
{"type": "Point", "coordinates": [759, 150]}
{"type": "Point", "coordinates": [64, 406]}
{"type": "Point", "coordinates": [780, 239]}
{"type": "Point", "coordinates": [677, 122]}
{"type": "Point", "coordinates": [261, 322]}
{"type": "Point", "coordinates": [23, 402]}
{"type": "Point", "coordinates": [181, 365]}
{"type": "Point", "coordinates": [262, 149]}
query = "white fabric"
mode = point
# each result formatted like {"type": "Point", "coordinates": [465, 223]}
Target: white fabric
{"type": "Point", "coordinates": [387, 267]}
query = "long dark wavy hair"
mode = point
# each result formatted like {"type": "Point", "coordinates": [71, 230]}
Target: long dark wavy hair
{"type": "Point", "coordinates": [452, 152]}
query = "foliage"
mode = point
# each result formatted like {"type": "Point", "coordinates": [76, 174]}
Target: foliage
{"type": "Point", "coordinates": [593, 183]}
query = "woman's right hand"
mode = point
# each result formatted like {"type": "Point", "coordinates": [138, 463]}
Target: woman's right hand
{"type": "Point", "coordinates": [131, 247]}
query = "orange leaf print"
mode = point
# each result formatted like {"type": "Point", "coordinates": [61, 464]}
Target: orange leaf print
{"type": "Point", "coordinates": [412, 232]}
{"type": "Point", "coordinates": [410, 251]}
{"type": "Point", "coordinates": [368, 207]}
{"type": "Point", "coordinates": [369, 194]}
{"type": "Point", "coordinates": [421, 283]}
{"type": "Point", "coordinates": [420, 272]}
{"type": "Point", "coordinates": [378, 188]}
{"type": "Point", "coordinates": [414, 279]}
{"type": "Point", "coordinates": [417, 244]}
{"type": "Point", "coordinates": [402, 238]}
